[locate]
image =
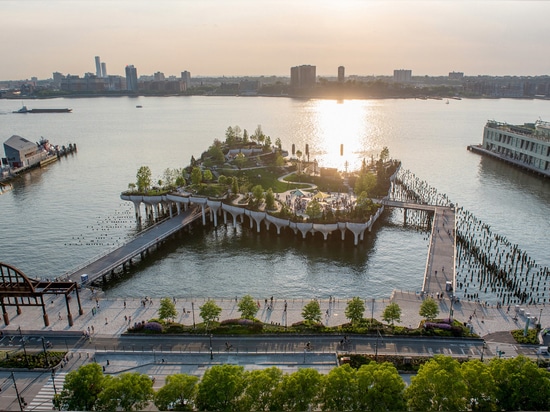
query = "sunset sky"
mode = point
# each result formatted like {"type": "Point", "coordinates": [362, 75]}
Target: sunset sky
{"type": "Point", "coordinates": [267, 37]}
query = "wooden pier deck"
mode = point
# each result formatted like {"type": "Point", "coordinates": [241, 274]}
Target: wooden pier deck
{"type": "Point", "coordinates": [103, 265]}
{"type": "Point", "coordinates": [440, 264]}
{"type": "Point", "coordinates": [439, 274]}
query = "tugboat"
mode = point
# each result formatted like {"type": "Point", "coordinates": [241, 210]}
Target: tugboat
{"type": "Point", "coordinates": [24, 109]}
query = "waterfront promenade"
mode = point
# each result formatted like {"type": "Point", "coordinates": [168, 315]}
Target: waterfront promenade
{"type": "Point", "coordinates": [109, 319]}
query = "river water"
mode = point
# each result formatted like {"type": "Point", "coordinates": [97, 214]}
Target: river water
{"type": "Point", "coordinates": [59, 217]}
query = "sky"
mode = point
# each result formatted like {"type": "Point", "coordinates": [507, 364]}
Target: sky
{"type": "Point", "coordinates": [267, 37]}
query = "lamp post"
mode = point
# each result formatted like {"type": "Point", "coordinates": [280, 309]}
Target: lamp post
{"type": "Point", "coordinates": [193, 311]}
{"type": "Point", "coordinates": [24, 347]}
{"type": "Point", "coordinates": [211, 354]}
{"type": "Point", "coordinates": [53, 382]}
{"type": "Point", "coordinates": [45, 352]}
{"type": "Point", "coordinates": [540, 318]}
{"type": "Point", "coordinates": [483, 350]}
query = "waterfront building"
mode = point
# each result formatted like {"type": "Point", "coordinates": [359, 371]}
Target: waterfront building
{"type": "Point", "coordinates": [302, 77]}
{"type": "Point", "coordinates": [21, 152]}
{"type": "Point", "coordinates": [525, 145]}
{"type": "Point", "coordinates": [402, 76]}
{"type": "Point", "coordinates": [341, 74]}
{"type": "Point", "coordinates": [103, 69]}
{"type": "Point", "coordinates": [131, 78]}
{"type": "Point", "coordinates": [186, 77]}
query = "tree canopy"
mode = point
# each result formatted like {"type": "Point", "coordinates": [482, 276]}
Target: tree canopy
{"type": "Point", "coordinates": [441, 384]}
{"type": "Point", "coordinates": [311, 311]}
{"type": "Point", "coordinates": [143, 178]}
{"type": "Point", "coordinates": [247, 307]}
{"type": "Point", "coordinates": [220, 388]}
{"type": "Point", "coordinates": [209, 311]}
{"type": "Point", "coordinates": [167, 309]}
{"type": "Point", "coordinates": [429, 309]}
{"type": "Point", "coordinates": [355, 309]}
{"type": "Point", "coordinates": [392, 313]}
{"type": "Point", "coordinates": [82, 388]}
{"type": "Point", "coordinates": [178, 392]}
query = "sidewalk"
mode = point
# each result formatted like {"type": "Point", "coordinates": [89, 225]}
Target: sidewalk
{"type": "Point", "coordinates": [113, 316]}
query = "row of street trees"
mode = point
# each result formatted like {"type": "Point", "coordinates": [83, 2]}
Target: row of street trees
{"type": "Point", "coordinates": [311, 312]}
{"type": "Point", "coordinates": [442, 384]}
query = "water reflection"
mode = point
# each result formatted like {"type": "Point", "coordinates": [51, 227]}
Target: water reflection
{"type": "Point", "coordinates": [350, 123]}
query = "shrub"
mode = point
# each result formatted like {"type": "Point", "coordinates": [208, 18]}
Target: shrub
{"type": "Point", "coordinates": [153, 327]}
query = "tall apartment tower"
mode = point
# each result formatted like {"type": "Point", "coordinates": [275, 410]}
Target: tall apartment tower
{"type": "Point", "coordinates": [186, 77]}
{"type": "Point", "coordinates": [302, 77]}
{"type": "Point", "coordinates": [402, 76]}
{"type": "Point", "coordinates": [131, 78]}
{"type": "Point", "coordinates": [341, 74]}
{"type": "Point", "coordinates": [103, 69]}
{"type": "Point", "coordinates": [97, 66]}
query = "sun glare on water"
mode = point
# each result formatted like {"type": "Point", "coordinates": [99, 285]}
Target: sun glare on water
{"type": "Point", "coordinates": [342, 133]}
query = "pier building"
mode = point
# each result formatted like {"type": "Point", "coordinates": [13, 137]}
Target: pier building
{"type": "Point", "coordinates": [526, 146]}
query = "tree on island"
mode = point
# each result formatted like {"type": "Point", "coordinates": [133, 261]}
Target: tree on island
{"type": "Point", "coordinates": [429, 309]}
{"type": "Point", "coordinates": [314, 209]}
{"type": "Point", "coordinates": [355, 309]}
{"type": "Point", "coordinates": [167, 309]}
{"type": "Point", "coordinates": [196, 176]}
{"type": "Point", "coordinates": [257, 195]}
{"type": "Point", "coordinates": [239, 160]}
{"type": "Point", "coordinates": [312, 312]}
{"type": "Point", "coordinates": [269, 199]}
{"type": "Point", "coordinates": [248, 307]}
{"type": "Point", "coordinates": [392, 313]}
{"type": "Point", "coordinates": [143, 178]}
{"type": "Point", "coordinates": [210, 311]}
{"type": "Point", "coordinates": [207, 175]}
{"type": "Point", "coordinates": [385, 154]}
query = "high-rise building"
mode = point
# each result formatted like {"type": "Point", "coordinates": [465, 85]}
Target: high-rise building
{"type": "Point", "coordinates": [131, 78]}
{"type": "Point", "coordinates": [341, 74]}
{"type": "Point", "coordinates": [186, 77]}
{"type": "Point", "coordinates": [456, 76]}
{"type": "Point", "coordinates": [97, 66]}
{"type": "Point", "coordinates": [402, 76]}
{"type": "Point", "coordinates": [302, 77]}
{"type": "Point", "coordinates": [103, 70]}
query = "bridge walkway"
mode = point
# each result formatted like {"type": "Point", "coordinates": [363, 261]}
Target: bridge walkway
{"type": "Point", "coordinates": [440, 276]}
{"type": "Point", "coordinates": [105, 264]}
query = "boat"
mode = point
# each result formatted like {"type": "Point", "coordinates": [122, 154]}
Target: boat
{"type": "Point", "coordinates": [526, 146]}
{"type": "Point", "coordinates": [24, 109]}
{"type": "Point", "coordinates": [139, 106]}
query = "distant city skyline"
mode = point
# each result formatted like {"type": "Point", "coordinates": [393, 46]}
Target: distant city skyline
{"type": "Point", "coordinates": [268, 37]}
